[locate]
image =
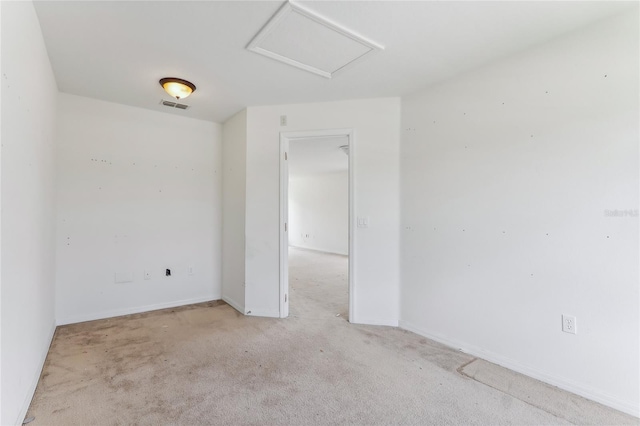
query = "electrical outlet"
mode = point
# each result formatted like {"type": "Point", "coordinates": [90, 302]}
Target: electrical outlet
{"type": "Point", "coordinates": [569, 324]}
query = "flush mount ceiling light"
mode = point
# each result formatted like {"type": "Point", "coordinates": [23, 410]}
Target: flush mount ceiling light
{"type": "Point", "coordinates": [301, 38]}
{"type": "Point", "coordinates": [177, 87]}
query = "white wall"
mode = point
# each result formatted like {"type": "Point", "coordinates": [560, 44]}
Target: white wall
{"type": "Point", "coordinates": [319, 212]}
{"type": "Point", "coordinates": [506, 176]}
{"type": "Point", "coordinates": [28, 265]}
{"type": "Point", "coordinates": [234, 151]}
{"type": "Point", "coordinates": [137, 190]}
{"type": "Point", "coordinates": [376, 123]}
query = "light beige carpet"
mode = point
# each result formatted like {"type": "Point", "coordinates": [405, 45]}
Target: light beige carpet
{"type": "Point", "coordinates": [207, 364]}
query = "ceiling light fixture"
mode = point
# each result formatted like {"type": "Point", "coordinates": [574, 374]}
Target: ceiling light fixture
{"type": "Point", "coordinates": [177, 87]}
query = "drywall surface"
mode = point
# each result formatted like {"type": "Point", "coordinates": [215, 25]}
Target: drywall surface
{"type": "Point", "coordinates": [375, 148]}
{"type": "Point", "coordinates": [234, 151]}
{"type": "Point", "coordinates": [28, 214]}
{"type": "Point", "coordinates": [138, 191]}
{"type": "Point", "coordinates": [520, 204]}
{"type": "Point", "coordinates": [319, 212]}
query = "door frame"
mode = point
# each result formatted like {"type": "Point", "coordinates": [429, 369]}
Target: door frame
{"type": "Point", "coordinates": [285, 139]}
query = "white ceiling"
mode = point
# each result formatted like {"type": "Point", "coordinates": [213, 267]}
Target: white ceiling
{"type": "Point", "coordinates": [118, 50]}
{"type": "Point", "coordinates": [315, 156]}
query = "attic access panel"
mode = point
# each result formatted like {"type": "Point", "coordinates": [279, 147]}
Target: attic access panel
{"type": "Point", "coordinates": [306, 40]}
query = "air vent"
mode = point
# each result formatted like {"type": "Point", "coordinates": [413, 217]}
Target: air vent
{"type": "Point", "coordinates": [171, 104]}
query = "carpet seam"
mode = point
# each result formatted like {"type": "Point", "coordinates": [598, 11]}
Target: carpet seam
{"type": "Point", "coordinates": [460, 370]}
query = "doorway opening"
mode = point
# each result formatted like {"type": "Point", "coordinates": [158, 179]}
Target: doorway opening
{"type": "Point", "coordinates": [316, 223]}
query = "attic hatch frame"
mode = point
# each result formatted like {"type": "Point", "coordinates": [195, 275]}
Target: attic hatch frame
{"type": "Point", "coordinates": [285, 139]}
{"type": "Point", "coordinates": [290, 7]}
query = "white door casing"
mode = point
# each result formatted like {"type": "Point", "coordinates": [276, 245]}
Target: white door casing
{"type": "Point", "coordinates": [285, 138]}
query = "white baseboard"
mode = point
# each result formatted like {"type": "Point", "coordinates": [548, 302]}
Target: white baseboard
{"type": "Point", "coordinates": [36, 377]}
{"type": "Point", "coordinates": [628, 407]}
{"type": "Point", "coordinates": [260, 313]}
{"type": "Point", "coordinates": [235, 305]}
{"type": "Point", "coordinates": [318, 250]}
{"type": "Point", "coordinates": [134, 310]}
{"type": "Point", "coordinates": [377, 321]}
{"type": "Point", "coordinates": [251, 312]}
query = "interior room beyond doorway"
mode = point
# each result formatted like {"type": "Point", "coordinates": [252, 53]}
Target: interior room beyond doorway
{"type": "Point", "coordinates": [318, 215]}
